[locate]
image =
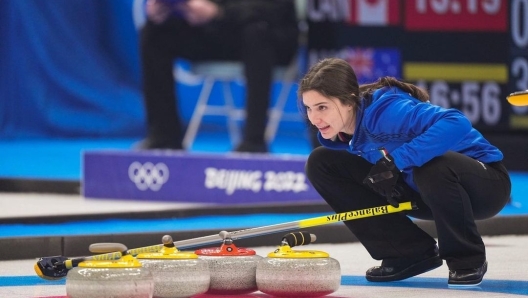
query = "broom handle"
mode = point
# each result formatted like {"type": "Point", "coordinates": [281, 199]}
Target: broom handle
{"type": "Point", "coordinates": [300, 224]}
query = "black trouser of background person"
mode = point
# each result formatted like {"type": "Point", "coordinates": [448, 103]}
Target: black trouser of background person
{"type": "Point", "coordinates": [257, 45]}
{"type": "Point", "coordinates": [455, 190]}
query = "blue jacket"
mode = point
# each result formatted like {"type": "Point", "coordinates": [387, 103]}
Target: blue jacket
{"type": "Point", "coordinates": [413, 132]}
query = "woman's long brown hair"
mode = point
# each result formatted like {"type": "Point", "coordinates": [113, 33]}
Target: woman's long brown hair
{"type": "Point", "coordinates": [334, 77]}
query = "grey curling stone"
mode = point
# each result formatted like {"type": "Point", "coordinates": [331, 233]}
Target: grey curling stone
{"type": "Point", "coordinates": [176, 274]}
{"type": "Point", "coordinates": [233, 269]}
{"type": "Point", "coordinates": [288, 273]}
{"type": "Point", "coordinates": [124, 278]}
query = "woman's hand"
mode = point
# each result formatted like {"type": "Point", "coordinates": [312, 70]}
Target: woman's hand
{"type": "Point", "coordinates": [382, 179]}
{"type": "Point", "coordinates": [158, 11]}
{"type": "Point", "coordinates": [199, 12]}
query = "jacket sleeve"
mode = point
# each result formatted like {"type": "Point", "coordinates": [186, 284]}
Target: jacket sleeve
{"type": "Point", "coordinates": [431, 130]}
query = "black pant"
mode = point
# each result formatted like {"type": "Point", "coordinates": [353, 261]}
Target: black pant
{"type": "Point", "coordinates": [258, 46]}
{"type": "Point", "coordinates": [454, 191]}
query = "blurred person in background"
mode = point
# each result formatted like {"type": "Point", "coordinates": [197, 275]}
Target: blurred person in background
{"type": "Point", "coordinates": [259, 33]}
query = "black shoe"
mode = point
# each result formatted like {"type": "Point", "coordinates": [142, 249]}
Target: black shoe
{"type": "Point", "coordinates": [149, 143]}
{"type": "Point", "coordinates": [467, 277]}
{"type": "Point", "coordinates": [252, 147]}
{"type": "Point", "coordinates": [386, 273]}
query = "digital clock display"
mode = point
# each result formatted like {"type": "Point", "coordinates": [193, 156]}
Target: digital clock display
{"type": "Point", "coordinates": [456, 15]}
{"type": "Point", "coordinates": [468, 54]}
{"type": "Point", "coordinates": [518, 59]}
{"type": "Point", "coordinates": [481, 102]}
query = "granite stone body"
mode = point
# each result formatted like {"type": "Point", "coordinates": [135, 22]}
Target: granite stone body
{"type": "Point", "coordinates": [109, 283]}
{"type": "Point", "coordinates": [177, 278]}
{"type": "Point", "coordinates": [298, 277]}
{"type": "Point", "coordinates": [232, 275]}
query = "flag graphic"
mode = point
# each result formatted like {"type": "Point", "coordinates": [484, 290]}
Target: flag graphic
{"type": "Point", "coordinates": [374, 12]}
{"type": "Point", "coordinates": [371, 63]}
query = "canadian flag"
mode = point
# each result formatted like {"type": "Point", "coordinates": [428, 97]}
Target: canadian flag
{"type": "Point", "coordinates": [375, 12]}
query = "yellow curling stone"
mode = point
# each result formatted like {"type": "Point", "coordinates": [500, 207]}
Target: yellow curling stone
{"type": "Point", "coordinates": [176, 273]}
{"type": "Point", "coordinates": [123, 278]}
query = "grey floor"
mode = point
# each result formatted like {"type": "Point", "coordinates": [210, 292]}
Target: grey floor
{"type": "Point", "coordinates": [507, 274]}
{"type": "Point", "coordinates": [507, 256]}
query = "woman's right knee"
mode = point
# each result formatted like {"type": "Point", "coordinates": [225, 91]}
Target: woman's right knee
{"type": "Point", "coordinates": [328, 162]}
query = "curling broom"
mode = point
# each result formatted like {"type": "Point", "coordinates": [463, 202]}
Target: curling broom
{"type": "Point", "coordinates": [57, 267]}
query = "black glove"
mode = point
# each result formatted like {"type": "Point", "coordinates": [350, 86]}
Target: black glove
{"type": "Point", "coordinates": [382, 178]}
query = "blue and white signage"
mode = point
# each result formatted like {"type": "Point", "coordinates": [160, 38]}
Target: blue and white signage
{"type": "Point", "coordinates": [184, 177]}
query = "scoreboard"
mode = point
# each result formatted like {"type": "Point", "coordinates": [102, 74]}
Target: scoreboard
{"type": "Point", "coordinates": [469, 54]}
{"type": "Point", "coordinates": [518, 58]}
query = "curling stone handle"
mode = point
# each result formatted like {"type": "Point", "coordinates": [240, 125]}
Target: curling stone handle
{"type": "Point", "coordinates": [298, 238]}
{"type": "Point", "coordinates": [101, 248]}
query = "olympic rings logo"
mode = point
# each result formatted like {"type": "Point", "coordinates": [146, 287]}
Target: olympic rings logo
{"type": "Point", "coordinates": [148, 176]}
